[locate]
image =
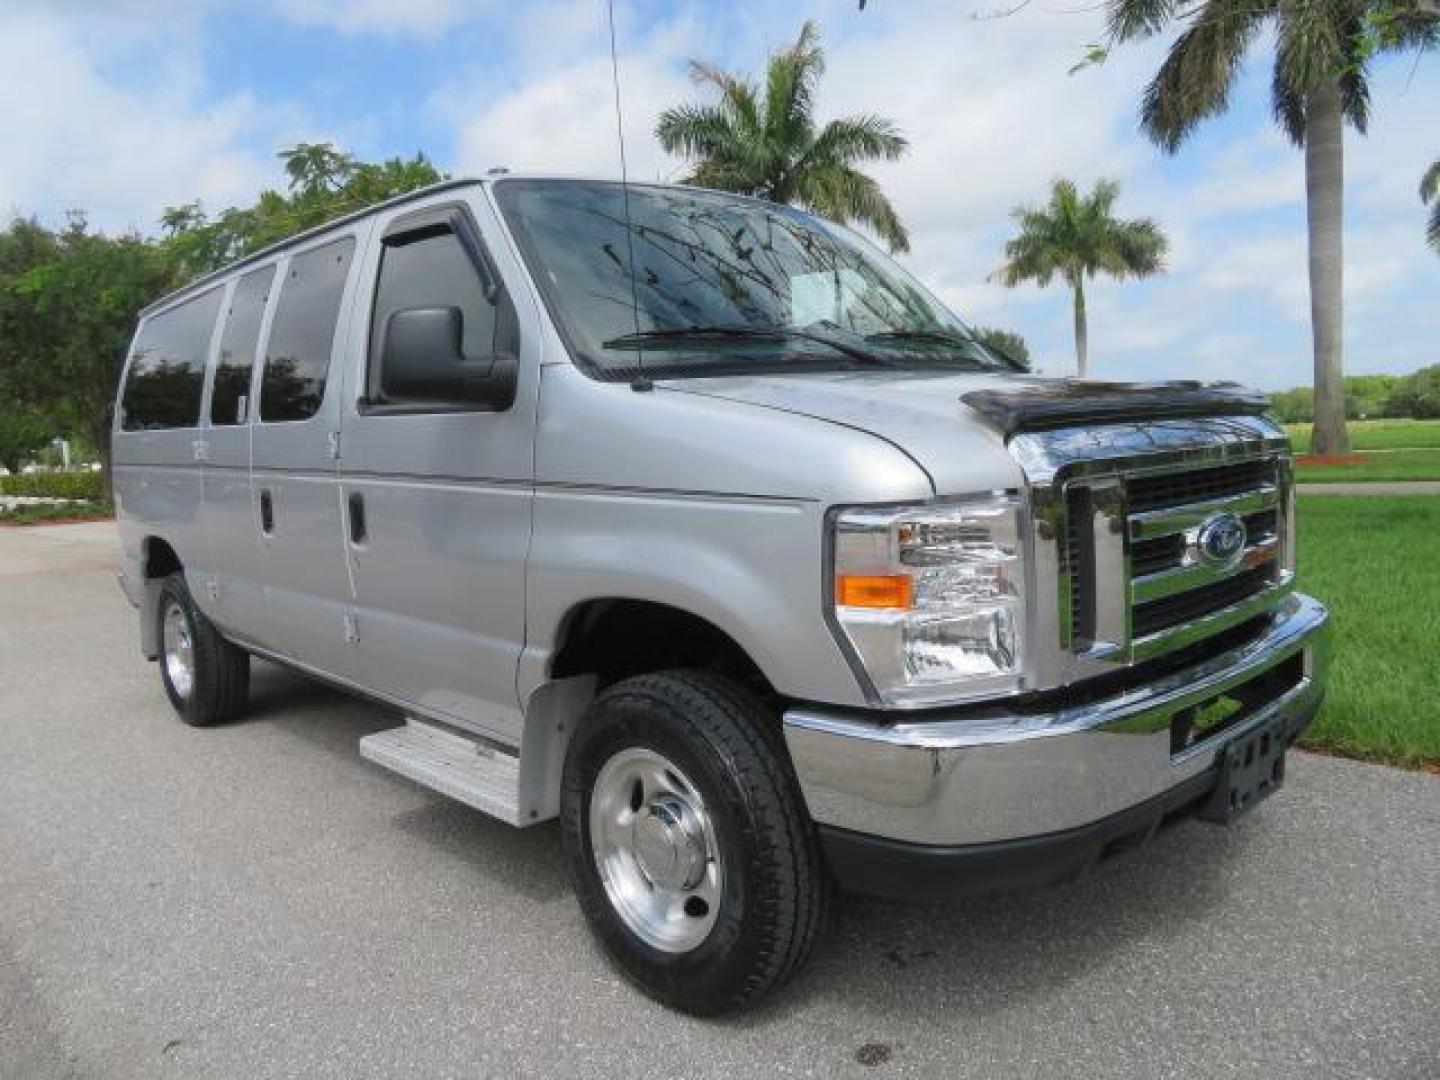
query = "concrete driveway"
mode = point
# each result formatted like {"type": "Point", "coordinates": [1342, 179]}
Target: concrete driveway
{"type": "Point", "coordinates": [256, 901]}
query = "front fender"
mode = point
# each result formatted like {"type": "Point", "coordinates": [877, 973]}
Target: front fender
{"type": "Point", "coordinates": [750, 566]}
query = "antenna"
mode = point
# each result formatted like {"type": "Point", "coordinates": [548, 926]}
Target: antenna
{"type": "Point", "coordinates": [641, 382]}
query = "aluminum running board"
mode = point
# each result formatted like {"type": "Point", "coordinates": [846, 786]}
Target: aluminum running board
{"type": "Point", "coordinates": [474, 772]}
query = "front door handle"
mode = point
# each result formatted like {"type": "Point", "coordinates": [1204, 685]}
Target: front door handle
{"type": "Point", "coordinates": [267, 512]}
{"type": "Point", "coordinates": [356, 504]}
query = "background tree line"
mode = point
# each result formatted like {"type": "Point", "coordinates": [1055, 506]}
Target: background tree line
{"type": "Point", "coordinates": [1414, 396]}
{"type": "Point", "coordinates": [69, 297]}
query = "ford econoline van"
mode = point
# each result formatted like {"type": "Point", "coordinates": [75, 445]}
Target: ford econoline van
{"type": "Point", "coordinates": [698, 523]}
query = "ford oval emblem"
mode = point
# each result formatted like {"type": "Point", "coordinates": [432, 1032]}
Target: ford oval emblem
{"type": "Point", "coordinates": [1220, 540]}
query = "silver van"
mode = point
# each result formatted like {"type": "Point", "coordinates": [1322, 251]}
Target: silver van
{"type": "Point", "coordinates": [699, 524]}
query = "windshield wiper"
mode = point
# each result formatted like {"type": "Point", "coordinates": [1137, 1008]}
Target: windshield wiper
{"type": "Point", "coordinates": [682, 334]}
{"type": "Point", "coordinates": [938, 337]}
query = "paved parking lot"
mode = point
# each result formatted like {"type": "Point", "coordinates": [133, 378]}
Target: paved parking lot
{"type": "Point", "coordinates": [256, 901]}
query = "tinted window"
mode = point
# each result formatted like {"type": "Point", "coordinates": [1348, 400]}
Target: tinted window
{"type": "Point", "coordinates": [238, 343]}
{"type": "Point", "coordinates": [297, 357]}
{"type": "Point", "coordinates": [167, 368]}
{"type": "Point", "coordinates": [431, 271]}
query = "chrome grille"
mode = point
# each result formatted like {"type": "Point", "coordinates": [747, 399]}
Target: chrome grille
{"type": "Point", "coordinates": [1165, 490]}
{"type": "Point", "coordinates": [1147, 552]}
{"type": "Point", "coordinates": [1111, 507]}
{"type": "Point", "coordinates": [1155, 616]}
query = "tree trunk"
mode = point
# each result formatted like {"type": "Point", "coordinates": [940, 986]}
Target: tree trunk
{"type": "Point", "coordinates": [1082, 334]}
{"type": "Point", "coordinates": [1324, 212]}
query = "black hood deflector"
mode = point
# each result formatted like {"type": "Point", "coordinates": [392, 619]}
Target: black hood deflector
{"type": "Point", "coordinates": [1060, 403]}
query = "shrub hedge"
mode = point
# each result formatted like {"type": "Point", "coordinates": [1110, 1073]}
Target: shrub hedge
{"type": "Point", "coordinates": [54, 485]}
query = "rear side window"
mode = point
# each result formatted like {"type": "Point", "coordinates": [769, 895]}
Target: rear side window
{"type": "Point", "coordinates": [297, 358]}
{"type": "Point", "coordinates": [238, 343]}
{"type": "Point", "coordinates": [430, 271]}
{"type": "Point", "coordinates": [167, 368]}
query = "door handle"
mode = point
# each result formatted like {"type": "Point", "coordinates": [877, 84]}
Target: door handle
{"type": "Point", "coordinates": [356, 505]}
{"type": "Point", "coordinates": [267, 512]}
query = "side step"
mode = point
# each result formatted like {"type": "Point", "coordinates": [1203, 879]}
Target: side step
{"type": "Point", "coordinates": [474, 772]}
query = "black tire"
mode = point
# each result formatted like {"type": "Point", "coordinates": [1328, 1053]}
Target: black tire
{"type": "Point", "coordinates": [220, 683]}
{"type": "Point", "coordinates": [775, 888]}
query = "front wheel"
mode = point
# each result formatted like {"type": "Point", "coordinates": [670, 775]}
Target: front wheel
{"type": "Point", "coordinates": [692, 854]}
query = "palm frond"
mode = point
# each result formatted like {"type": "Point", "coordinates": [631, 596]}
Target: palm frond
{"type": "Point", "coordinates": [737, 95]}
{"type": "Point", "coordinates": [1028, 257]}
{"type": "Point", "coordinates": [791, 79]}
{"type": "Point", "coordinates": [1129, 19]}
{"type": "Point", "coordinates": [693, 130]}
{"type": "Point", "coordinates": [856, 139]}
{"type": "Point", "coordinates": [702, 71]}
{"type": "Point", "coordinates": [1430, 192]}
{"type": "Point", "coordinates": [1102, 197]}
{"type": "Point", "coordinates": [1135, 249]}
{"type": "Point", "coordinates": [1312, 40]}
{"type": "Point", "coordinates": [846, 195]}
{"type": "Point", "coordinates": [1430, 182]}
{"type": "Point", "coordinates": [1354, 73]}
{"type": "Point", "coordinates": [1287, 104]}
{"type": "Point", "coordinates": [1194, 81]}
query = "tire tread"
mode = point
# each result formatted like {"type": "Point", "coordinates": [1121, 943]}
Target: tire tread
{"type": "Point", "coordinates": [222, 669]}
{"type": "Point", "coordinates": [792, 906]}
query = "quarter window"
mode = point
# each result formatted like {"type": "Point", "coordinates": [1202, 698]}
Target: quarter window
{"type": "Point", "coordinates": [297, 358]}
{"type": "Point", "coordinates": [167, 368]}
{"type": "Point", "coordinates": [430, 270]}
{"type": "Point", "coordinates": [238, 345]}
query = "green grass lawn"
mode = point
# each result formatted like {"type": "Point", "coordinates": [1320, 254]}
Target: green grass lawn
{"type": "Point", "coordinates": [1373, 560]}
{"type": "Point", "coordinates": [1386, 465]}
{"type": "Point", "coordinates": [1377, 435]}
{"type": "Point", "coordinates": [55, 514]}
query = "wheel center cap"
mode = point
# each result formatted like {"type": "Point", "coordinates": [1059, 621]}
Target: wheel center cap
{"type": "Point", "coordinates": [667, 846]}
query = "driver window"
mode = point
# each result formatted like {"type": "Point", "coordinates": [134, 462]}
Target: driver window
{"type": "Point", "coordinates": [430, 269]}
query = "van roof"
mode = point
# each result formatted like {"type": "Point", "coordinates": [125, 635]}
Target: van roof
{"type": "Point", "coordinates": [280, 245]}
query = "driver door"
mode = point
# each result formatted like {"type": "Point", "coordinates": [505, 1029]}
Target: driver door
{"type": "Point", "coordinates": [437, 494]}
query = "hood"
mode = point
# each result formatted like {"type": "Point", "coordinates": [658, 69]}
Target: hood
{"type": "Point", "coordinates": [918, 411]}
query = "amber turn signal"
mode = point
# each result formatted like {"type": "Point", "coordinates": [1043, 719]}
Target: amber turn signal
{"type": "Point", "coordinates": [874, 590]}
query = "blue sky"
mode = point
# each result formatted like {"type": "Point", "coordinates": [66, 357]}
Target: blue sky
{"type": "Point", "coordinates": [125, 106]}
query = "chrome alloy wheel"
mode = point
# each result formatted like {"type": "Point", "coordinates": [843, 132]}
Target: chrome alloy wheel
{"type": "Point", "coordinates": [179, 651]}
{"type": "Point", "coordinates": [655, 848]}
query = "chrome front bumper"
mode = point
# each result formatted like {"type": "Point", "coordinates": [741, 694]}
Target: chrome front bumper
{"type": "Point", "coordinates": [996, 774]}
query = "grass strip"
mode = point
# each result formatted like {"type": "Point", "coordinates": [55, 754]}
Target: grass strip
{"type": "Point", "coordinates": [1373, 560]}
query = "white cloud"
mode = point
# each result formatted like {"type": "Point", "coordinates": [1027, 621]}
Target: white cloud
{"type": "Point", "coordinates": [73, 138]}
{"type": "Point", "coordinates": [559, 114]}
{"type": "Point", "coordinates": [422, 17]}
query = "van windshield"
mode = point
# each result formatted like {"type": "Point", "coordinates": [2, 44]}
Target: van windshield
{"type": "Point", "coordinates": [721, 285]}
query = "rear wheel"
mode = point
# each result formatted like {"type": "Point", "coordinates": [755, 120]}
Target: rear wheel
{"type": "Point", "coordinates": [206, 677]}
{"type": "Point", "coordinates": [693, 857]}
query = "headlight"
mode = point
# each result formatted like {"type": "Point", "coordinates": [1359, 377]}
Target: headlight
{"type": "Point", "coordinates": [931, 598]}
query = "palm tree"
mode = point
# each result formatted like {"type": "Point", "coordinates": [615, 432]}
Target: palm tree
{"type": "Point", "coordinates": [1319, 82]}
{"type": "Point", "coordinates": [1076, 236]}
{"type": "Point", "coordinates": [1430, 192]}
{"type": "Point", "coordinates": [766, 143]}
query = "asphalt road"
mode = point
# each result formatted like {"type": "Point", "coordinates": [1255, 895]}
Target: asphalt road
{"type": "Point", "coordinates": [256, 901]}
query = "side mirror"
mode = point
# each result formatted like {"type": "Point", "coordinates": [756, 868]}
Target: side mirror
{"type": "Point", "coordinates": [422, 361]}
